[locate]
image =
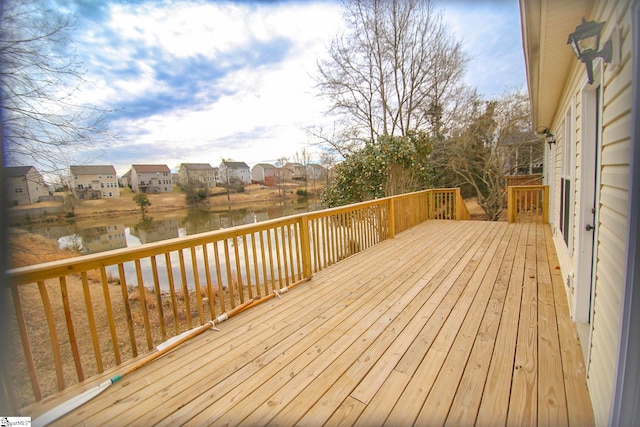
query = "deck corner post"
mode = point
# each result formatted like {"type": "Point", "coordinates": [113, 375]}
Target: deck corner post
{"type": "Point", "coordinates": [305, 243]}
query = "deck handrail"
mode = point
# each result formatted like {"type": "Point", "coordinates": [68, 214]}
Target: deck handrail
{"type": "Point", "coordinates": [528, 203]}
{"type": "Point", "coordinates": [140, 296]}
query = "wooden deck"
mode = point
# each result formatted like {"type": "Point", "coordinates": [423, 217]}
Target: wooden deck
{"type": "Point", "coordinates": [450, 323]}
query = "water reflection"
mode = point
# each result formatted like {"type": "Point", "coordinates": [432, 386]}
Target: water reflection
{"type": "Point", "coordinates": [130, 232]}
{"type": "Point", "coordinates": [148, 230]}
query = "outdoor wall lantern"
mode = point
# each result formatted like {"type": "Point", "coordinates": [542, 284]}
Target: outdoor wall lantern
{"type": "Point", "coordinates": [549, 138]}
{"type": "Point", "coordinates": [585, 42]}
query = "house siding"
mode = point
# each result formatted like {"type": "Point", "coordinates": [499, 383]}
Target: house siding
{"type": "Point", "coordinates": [612, 223]}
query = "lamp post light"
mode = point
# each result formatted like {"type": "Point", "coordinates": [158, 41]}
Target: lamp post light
{"type": "Point", "coordinates": [585, 42]}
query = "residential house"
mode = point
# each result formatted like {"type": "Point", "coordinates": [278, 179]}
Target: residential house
{"type": "Point", "coordinates": [203, 174]}
{"type": "Point", "coordinates": [234, 173]}
{"type": "Point", "coordinates": [588, 110]}
{"type": "Point", "coordinates": [94, 181]}
{"type": "Point", "coordinates": [294, 172]}
{"type": "Point", "coordinates": [151, 179]}
{"type": "Point", "coordinates": [316, 172]}
{"type": "Point", "coordinates": [24, 185]}
{"type": "Point", "coordinates": [264, 173]}
{"type": "Point", "coordinates": [125, 180]}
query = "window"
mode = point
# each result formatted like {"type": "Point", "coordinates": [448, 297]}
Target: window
{"type": "Point", "coordinates": [18, 189]}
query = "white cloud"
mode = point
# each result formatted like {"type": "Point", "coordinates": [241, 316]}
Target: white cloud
{"type": "Point", "coordinates": [255, 102]}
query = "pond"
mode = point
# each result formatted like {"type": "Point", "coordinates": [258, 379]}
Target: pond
{"type": "Point", "coordinates": [132, 231]}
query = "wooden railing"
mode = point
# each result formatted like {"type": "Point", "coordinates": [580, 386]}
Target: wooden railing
{"type": "Point", "coordinates": [76, 318]}
{"type": "Point", "coordinates": [528, 203]}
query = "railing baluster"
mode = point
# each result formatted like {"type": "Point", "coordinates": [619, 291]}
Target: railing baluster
{"type": "Point", "coordinates": [53, 334]}
{"type": "Point", "coordinates": [185, 289]}
{"type": "Point", "coordinates": [278, 257]}
{"type": "Point", "coordinates": [207, 270]}
{"type": "Point", "coordinates": [216, 255]}
{"type": "Point", "coordinates": [238, 269]}
{"type": "Point", "coordinates": [264, 262]}
{"type": "Point", "coordinates": [172, 292]}
{"type": "Point", "coordinates": [109, 309]}
{"type": "Point", "coordinates": [156, 287]}
{"type": "Point", "coordinates": [247, 265]}
{"type": "Point", "coordinates": [72, 334]}
{"type": "Point", "coordinates": [127, 308]}
{"type": "Point", "coordinates": [143, 304]}
{"type": "Point", "coordinates": [92, 322]}
{"type": "Point", "coordinates": [196, 284]}
{"type": "Point", "coordinates": [256, 267]}
{"type": "Point", "coordinates": [26, 345]}
{"type": "Point", "coordinates": [230, 285]}
{"type": "Point", "coordinates": [291, 229]}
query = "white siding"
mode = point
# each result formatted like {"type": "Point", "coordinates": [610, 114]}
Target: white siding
{"type": "Point", "coordinates": [612, 200]}
{"type": "Point", "coordinates": [612, 225]}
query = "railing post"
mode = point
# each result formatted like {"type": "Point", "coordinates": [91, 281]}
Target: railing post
{"type": "Point", "coordinates": [458, 199]}
{"type": "Point", "coordinates": [392, 218]}
{"type": "Point", "coordinates": [511, 206]}
{"type": "Point", "coordinates": [545, 204]}
{"type": "Point", "coordinates": [305, 242]}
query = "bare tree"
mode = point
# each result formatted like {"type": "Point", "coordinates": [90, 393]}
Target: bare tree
{"type": "Point", "coordinates": [327, 161]}
{"type": "Point", "coordinates": [476, 152]}
{"type": "Point", "coordinates": [280, 163]}
{"type": "Point", "coordinates": [392, 71]}
{"type": "Point", "coordinates": [45, 122]}
{"type": "Point", "coordinates": [304, 158]}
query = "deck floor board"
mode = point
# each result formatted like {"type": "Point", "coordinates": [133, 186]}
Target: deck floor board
{"type": "Point", "coordinates": [456, 323]}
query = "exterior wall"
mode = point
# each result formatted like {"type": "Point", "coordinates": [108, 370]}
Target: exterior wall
{"type": "Point", "coordinates": [260, 173]}
{"type": "Point", "coordinates": [233, 171]}
{"type": "Point", "coordinates": [151, 182]}
{"type": "Point", "coordinates": [100, 184]}
{"type": "Point", "coordinates": [205, 176]}
{"type": "Point", "coordinates": [572, 125]}
{"type": "Point", "coordinates": [26, 190]}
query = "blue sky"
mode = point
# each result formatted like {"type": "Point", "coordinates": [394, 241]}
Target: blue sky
{"type": "Point", "coordinates": [198, 81]}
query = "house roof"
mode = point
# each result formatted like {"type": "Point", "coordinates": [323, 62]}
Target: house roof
{"type": "Point", "coordinates": [546, 25]}
{"type": "Point", "coordinates": [92, 169]}
{"type": "Point", "coordinates": [150, 168]}
{"type": "Point", "coordinates": [236, 165]}
{"type": "Point", "coordinates": [196, 166]}
{"type": "Point", "coordinates": [17, 170]}
{"type": "Point", "coordinates": [265, 166]}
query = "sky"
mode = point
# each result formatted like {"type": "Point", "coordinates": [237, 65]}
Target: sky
{"type": "Point", "coordinates": [198, 81]}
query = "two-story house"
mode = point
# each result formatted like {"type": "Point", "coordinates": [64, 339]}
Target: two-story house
{"type": "Point", "coordinates": [151, 179]}
{"type": "Point", "coordinates": [24, 185]}
{"type": "Point", "coordinates": [94, 181]}
{"type": "Point", "coordinates": [234, 173]}
{"type": "Point", "coordinates": [294, 172]}
{"type": "Point", "coordinates": [316, 172]}
{"type": "Point", "coordinates": [202, 174]}
{"type": "Point", "coordinates": [264, 173]}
